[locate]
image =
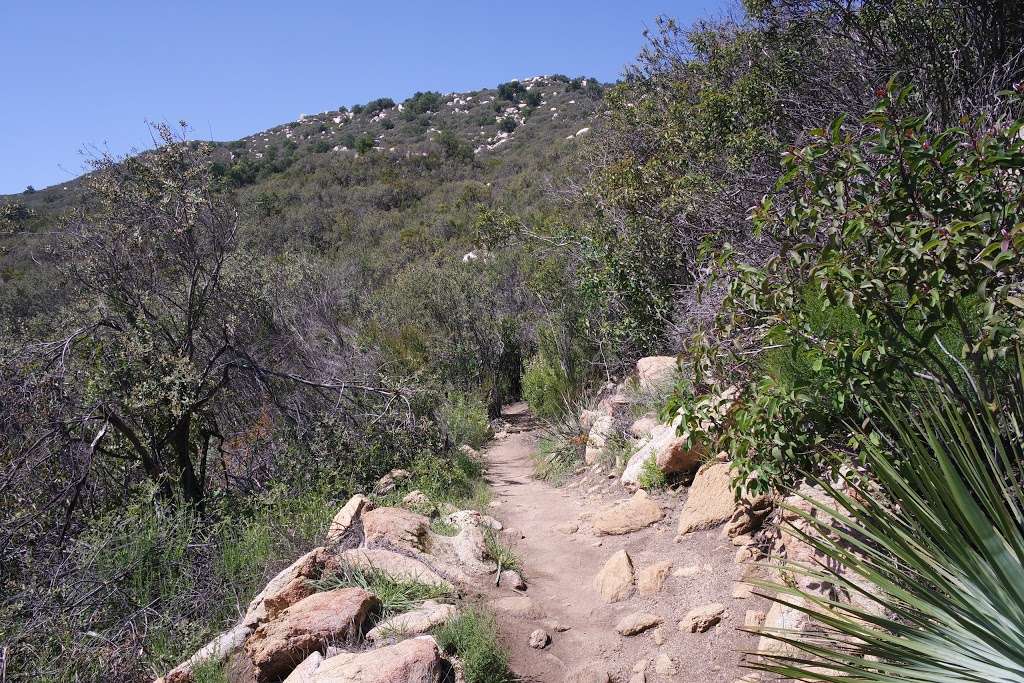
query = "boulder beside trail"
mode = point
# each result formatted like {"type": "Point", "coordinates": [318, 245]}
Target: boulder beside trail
{"type": "Point", "coordinates": [629, 515]}
{"type": "Point", "coordinates": [396, 527]}
{"type": "Point", "coordinates": [709, 501]}
{"type": "Point", "coordinates": [309, 625]}
{"type": "Point", "coordinates": [615, 580]}
{"type": "Point", "coordinates": [669, 452]}
{"type": "Point", "coordinates": [415, 660]}
{"type": "Point", "coordinates": [598, 437]}
{"type": "Point", "coordinates": [394, 564]}
{"type": "Point", "coordinates": [412, 623]}
{"type": "Point", "coordinates": [289, 586]}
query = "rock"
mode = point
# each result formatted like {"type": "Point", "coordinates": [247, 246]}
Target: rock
{"type": "Point", "coordinates": [753, 619]}
{"type": "Point", "coordinates": [395, 527]}
{"type": "Point", "coordinates": [659, 636]}
{"type": "Point", "coordinates": [289, 586]}
{"type": "Point", "coordinates": [588, 673]}
{"type": "Point", "coordinates": [539, 639]}
{"type": "Point", "coordinates": [556, 626]}
{"type": "Point", "coordinates": [633, 514]}
{"type": "Point", "coordinates": [307, 626]}
{"type": "Point", "coordinates": [466, 518]}
{"type": "Point", "coordinates": [710, 500]}
{"type": "Point", "coordinates": [389, 481]}
{"type": "Point", "coordinates": [416, 660]}
{"type": "Point", "coordinates": [749, 515]}
{"type": "Point", "coordinates": [216, 651]}
{"type": "Point", "coordinates": [416, 500]}
{"type": "Point", "coordinates": [638, 677]}
{"type": "Point", "coordinates": [638, 622]}
{"type": "Point", "coordinates": [788, 622]}
{"type": "Point", "coordinates": [511, 579]}
{"type": "Point", "coordinates": [568, 528]}
{"type": "Point", "coordinates": [641, 665]}
{"type": "Point", "coordinates": [615, 580]}
{"type": "Point", "coordinates": [467, 550]}
{"type": "Point", "coordinates": [650, 579]}
{"type": "Point", "coordinates": [643, 426]}
{"type": "Point", "coordinates": [669, 452]}
{"type": "Point", "coordinates": [742, 591]}
{"type": "Point", "coordinates": [303, 673]}
{"type": "Point", "coordinates": [742, 540]}
{"type": "Point", "coordinates": [597, 439]}
{"type": "Point", "coordinates": [656, 373]}
{"type": "Point", "coordinates": [344, 521]}
{"type": "Point", "coordinates": [665, 665]}
{"type": "Point", "coordinates": [518, 605]}
{"type": "Point", "coordinates": [700, 619]}
{"type": "Point", "coordinates": [394, 564]}
{"type": "Point", "coordinates": [412, 623]}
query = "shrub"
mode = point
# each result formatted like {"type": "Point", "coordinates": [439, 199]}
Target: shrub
{"type": "Point", "coordinates": [556, 457]}
{"type": "Point", "coordinates": [508, 124]}
{"type": "Point", "coordinates": [501, 552]}
{"type": "Point", "coordinates": [395, 595]}
{"type": "Point", "coordinates": [466, 419]}
{"type": "Point", "coordinates": [651, 477]}
{"type": "Point", "coordinates": [932, 542]}
{"type": "Point", "coordinates": [511, 91]}
{"type": "Point", "coordinates": [364, 143]}
{"type": "Point", "coordinates": [422, 102]}
{"type": "Point", "coordinates": [473, 637]}
{"type": "Point", "coordinates": [545, 386]}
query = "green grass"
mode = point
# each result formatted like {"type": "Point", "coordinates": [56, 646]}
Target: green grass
{"type": "Point", "coordinates": [501, 552]}
{"type": "Point", "coordinates": [395, 595]}
{"type": "Point", "coordinates": [473, 637]}
{"type": "Point", "coordinates": [209, 672]}
{"type": "Point", "coordinates": [651, 477]}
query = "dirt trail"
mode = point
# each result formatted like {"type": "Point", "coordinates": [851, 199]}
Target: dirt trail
{"type": "Point", "coordinates": [559, 568]}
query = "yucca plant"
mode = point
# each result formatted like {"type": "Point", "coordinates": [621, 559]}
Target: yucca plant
{"type": "Point", "coordinates": [932, 544]}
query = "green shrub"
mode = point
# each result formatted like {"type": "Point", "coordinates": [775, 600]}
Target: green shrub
{"type": "Point", "coordinates": [931, 541]}
{"type": "Point", "coordinates": [651, 477]}
{"type": "Point", "coordinates": [473, 637]}
{"type": "Point", "coordinates": [465, 416]}
{"type": "Point", "coordinates": [364, 143]}
{"type": "Point", "coordinates": [556, 458]}
{"type": "Point", "coordinates": [501, 552]}
{"type": "Point", "coordinates": [508, 124]}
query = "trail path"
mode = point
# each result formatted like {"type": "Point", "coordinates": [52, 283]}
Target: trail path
{"type": "Point", "coordinates": [560, 567]}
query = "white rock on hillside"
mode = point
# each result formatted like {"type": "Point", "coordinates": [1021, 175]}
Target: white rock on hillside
{"type": "Point", "coordinates": [656, 373]}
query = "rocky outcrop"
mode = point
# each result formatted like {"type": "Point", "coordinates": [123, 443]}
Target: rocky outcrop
{"type": "Point", "coordinates": [668, 451]}
{"type": "Point", "coordinates": [396, 527]}
{"type": "Point", "coordinates": [307, 626]}
{"type": "Point", "coordinates": [416, 660]}
{"type": "Point", "coordinates": [632, 514]}
{"type": "Point", "coordinates": [346, 523]}
{"type": "Point", "coordinates": [412, 623]}
{"type": "Point", "coordinates": [288, 587]}
{"type": "Point", "coordinates": [709, 501]}
{"type": "Point", "coordinates": [615, 580]}
{"type": "Point", "coordinates": [656, 373]}
{"type": "Point", "coordinates": [395, 565]}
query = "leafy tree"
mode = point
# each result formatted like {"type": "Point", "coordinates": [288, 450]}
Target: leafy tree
{"type": "Point", "coordinates": [508, 124]}
{"type": "Point", "coordinates": [421, 103]}
{"type": "Point", "coordinates": [364, 143]}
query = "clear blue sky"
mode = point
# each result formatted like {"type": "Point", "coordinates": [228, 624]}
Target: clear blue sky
{"type": "Point", "coordinates": [91, 73]}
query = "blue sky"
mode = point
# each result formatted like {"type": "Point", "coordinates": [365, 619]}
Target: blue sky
{"type": "Point", "coordinates": [78, 74]}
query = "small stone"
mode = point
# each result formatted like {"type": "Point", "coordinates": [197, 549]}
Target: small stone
{"type": "Point", "coordinates": [629, 515]}
{"type": "Point", "coordinates": [665, 665]}
{"type": "Point", "coordinates": [511, 579]}
{"type": "Point", "coordinates": [742, 591]}
{"type": "Point", "coordinates": [568, 528]}
{"type": "Point", "coordinates": [659, 636]}
{"type": "Point", "coordinates": [588, 673]}
{"type": "Point", "coordinates": [700, 619]}
{"type": "Point", "coordinates": [652, 578]}
{"type": "Point", "coordinates": [641, 666]}
{"type": "Point", "coordinates": [638, 678]}
{"type": "Point", "coordinates": [539, 639]}
{"type": "Point", "coordinates": [556, 625]}
{"type": "Point", "coordinates": [742, 540]}
{"type": "Point", "coordinates": [753, 618]}
{"type": "Point", "coordinates": [615, 580]}
{"type": "Point", "coordinates": [638, 622]}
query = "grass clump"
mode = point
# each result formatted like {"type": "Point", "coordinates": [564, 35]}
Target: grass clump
{"type": "Point", "coordinates": [395, 595]}
{"type": "Point", "coordinates": [466, 418]}
{"type": "Point", "coordinates": [500, 552]}
{"type": "Point", "coordinates": [651, 477]}
{"type": "Point", "coordinates": [473, 637]}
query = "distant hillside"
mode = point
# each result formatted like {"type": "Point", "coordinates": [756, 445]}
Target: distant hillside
{"type": "Point", "coordinates": [400, 180]}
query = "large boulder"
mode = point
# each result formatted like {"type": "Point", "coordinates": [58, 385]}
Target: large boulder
{"type": "Point", "coordinates": [416, 660]}
{"type": "Point", "coordinates": [395, 565]}
{"type": "Point", "coordinates": [310, 625]}
{"type": "Point", "coordinates": [656, 373]}
{"type": "Point", "coordinates": [345, 524]}
{"type": "Point", "coordinates": [412, 623]}
{"type": "Point", "coordinates": [710, 500]}
{"type": "Point", "coordinates": [643, 427]}
{"type": "Point", "coordinates": [466, 552]}
{"type": "Point", "coordinates": [669, 452]}
{"type": "Point", "coordinates": [598, 437]}
{"type": "Point", "coordinates": [614, 582]}
{"type": "Point", "coordinates": [632, 514]}
{"type": "Point", "coordinates": [216, 651]}
{"type": "Point", "coordinates": [396, 527]}
{"type": "Point", "coordinates": [289, 586]}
